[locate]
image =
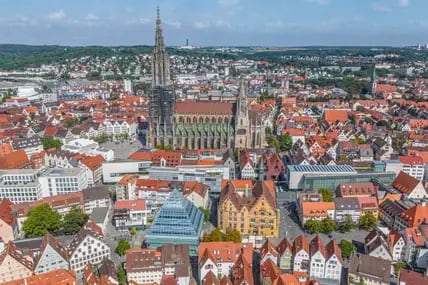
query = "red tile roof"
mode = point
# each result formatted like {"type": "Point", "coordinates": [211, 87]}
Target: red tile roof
{"type": "Point", "coordinates": [6, 212]}
{"type": "Point", "coordinates": [133, 205]}
{"type": "Point", "coordinates": [405, 183]}
{"type": "Point", "coordinates": [15, 160]}
{"type": "Point", "coordinates": [57, 277]}
{"type": "Point", "coordinates": [216, 108]}
{"type": "Point", "coordinates": [331, 115]}
{"type": "Point", "coordinates": [415, 216]}
{"type": "Point", "coordinates": [411, 160]}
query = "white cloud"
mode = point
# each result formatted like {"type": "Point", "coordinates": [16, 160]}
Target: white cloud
{"type": "Point", "coordinates": [403, 3]}
{"type": "Point", "coordinates": [139, 21]}
{"type": "Point", "coordinates": [92, 17]}
{"type": "Point", "coordinates": [379, 7]}
{"type": "Point", "coordinates": [201, 25]}
{"type": "Point", "coordinates": [174, 24]}
{"type": "Point", "coordinates": [57, 15]}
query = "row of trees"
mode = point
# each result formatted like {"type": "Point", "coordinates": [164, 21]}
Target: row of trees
{"type": "Point", "coordinates": [43, 219]}
{"type": "Point", "coordinates": [218, 235]}
{"type": "Point", "coordinates": [367, 222]}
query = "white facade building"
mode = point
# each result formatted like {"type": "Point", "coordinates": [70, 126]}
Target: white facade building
{"type": "Point", "coordinates": [56, 181]}
{"type": "Point", "coordinates": [87, 246]}
{"type": "Point", "coordinates": [20, 185]}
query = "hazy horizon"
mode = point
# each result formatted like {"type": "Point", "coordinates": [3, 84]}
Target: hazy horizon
{"type": "Point", "coordinates": [219, 23]}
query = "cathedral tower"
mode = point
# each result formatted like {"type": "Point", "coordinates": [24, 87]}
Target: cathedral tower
{"type": "Point", "coordinates": [162, 96]}
{"type": "Point", "coordinates": [160, 58]}
{"type": "Point", "coordinates": [242, 124]}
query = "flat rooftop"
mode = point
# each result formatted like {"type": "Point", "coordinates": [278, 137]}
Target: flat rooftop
{"type": "Point", "coordinates": [54, 172]}
{"type": "Point", "coordinates": [321, 168]}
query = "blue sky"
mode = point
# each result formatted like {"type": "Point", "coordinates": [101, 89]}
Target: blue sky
{"type": "Point", "coordinates": [215, 22]}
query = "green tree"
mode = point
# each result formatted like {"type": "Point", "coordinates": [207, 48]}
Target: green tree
{"type": "Point", "coordinates": [134, 231]}
{"type": "Point", "coordinates": [328, 225]}
{"type": "Point", "coordinates": [273, 142]}
{"type": "Point", "coordinates": [51, 143]}
{"type": "Point", "coordinates": [69, 123]}
{"type": "Point", "coordinates": [285, 142]}
{"type": "Point", "coordinates": [217, 235]}
{"type": "Point", "coordinates": [268, 131]}
{"type": "Point", "coordinates": [326, 195]}
{"type": "Point", "coordinates": [347, 248]}
{"type": "Point", "coordinates": [214, 235]}
{"type": "Point", "coordinates": [400, 265]}
{"type": "Point", "coordinates": [313, 226]}
{"type": "Point", "coordinates": [360, 140]}
{"type": "Point", "coordinates": [206, 213]}
{"type": "Point", "coordinates": [74, 221]}
{"type": "Point", "coordinates": [232, 235]}
{"type": "Point", "coordinates": [348, 224]}
{"type": "Point", "coordinates": [368, 221]}
{"type": "Point", "coordinates": [121, 275]}
{"type": "Point", "coordinates": [159, 147]}
{"type": "Point", "coordinates": [169, 147]}
{"type": "Point", "coordinates": [40, 220]}
{"type": "Point", "coordinates": [122, 247]}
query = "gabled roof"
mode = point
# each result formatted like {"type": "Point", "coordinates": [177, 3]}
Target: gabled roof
{"type": "Point", "coordinates": [317, 209]}
{"type": "Point", "coordinates": [57, 277]}
{"type": "Point", "coordinates": [300, 243]}
{"type": "Point", "coordinates": [332, 248]}
{"type": "Point", "coordinates": [242, 271]}
{"type": "Point", "coordinates": [48, 239]}
{"type": "Point", "coordinates": [14, 160]}
{"type": "Point", "coordinates": [10, 250]}
{"type": "Point", "coordinates": [317, 245]}
{"type": "Point", "coordinates": [210, 279]}
{"type": "Point", "coordinates": [268, 248]}
{"type": "Point", "coordinates": [416, 215]}
{"type": "Point", "coordinates": [270, 270]}
{"type": "Point", "coordinates": [6, 212]}
{"type": "Point", "coordinates": [405, 183]}
{"type": "Point", "coordinates": [284, 245]}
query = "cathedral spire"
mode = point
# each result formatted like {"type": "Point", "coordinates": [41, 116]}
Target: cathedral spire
{"type": "Point", "coordinates": [160, 59]}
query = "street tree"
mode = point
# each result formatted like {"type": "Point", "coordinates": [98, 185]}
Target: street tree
{"type": "Point", "coordinates": [40, 220]}
{"type": "Point", "coordinates": [74, 221]}
{"type": "Point", "coordinates": [122, 247]}
{"type": "Point", "coordinates": [368, 221]}
{"type": "Point", "coordinates": [347, 248]}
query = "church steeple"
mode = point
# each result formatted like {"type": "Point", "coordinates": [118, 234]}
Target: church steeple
{"type": "Point", "coordinates": [242, 108]}
{"type": "Point", "coordinates": [160, 58]}
{"type": "Point", "coordinates": [374, 84]}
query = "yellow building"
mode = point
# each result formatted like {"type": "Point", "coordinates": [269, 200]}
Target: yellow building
{"type": "Point", "coordinates": [252, 212]}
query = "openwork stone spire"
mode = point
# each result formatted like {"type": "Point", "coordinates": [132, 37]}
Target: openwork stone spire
{"type": "Point", "coordinates": [160, 58]}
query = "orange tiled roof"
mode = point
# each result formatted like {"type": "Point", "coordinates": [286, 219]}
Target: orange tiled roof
{"type": "Point", "coordinates": [416, 215]}
{"type": "Point", "coordinates": [57, 277]}
{"type": "Point", "coordinates": [6, 211]}
{"type": "Point", "coordinates": [331, 115]}
{"type": "Point", "coordinates": [405, 183]}
{"type": "Point", "coordinates": [133, 205]}
{"type": "Point", "coordinates": [15, 160]}
{"type": "Point", "coordinates": [411, 160]}
{"type": "Point", "coordinates": [317, 209]}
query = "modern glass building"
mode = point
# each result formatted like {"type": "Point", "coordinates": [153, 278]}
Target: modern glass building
{"type": "Point", "coordinates": [314, 182]}
{"type": "Point", "coordinates": [178, 222]}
